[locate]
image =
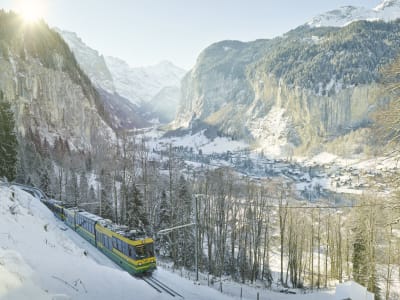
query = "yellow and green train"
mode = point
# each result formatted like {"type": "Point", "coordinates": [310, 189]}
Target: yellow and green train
{"type": "Point", "coordinates": [130, 249]}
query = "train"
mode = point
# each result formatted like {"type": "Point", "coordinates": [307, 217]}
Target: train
{"type": "Point", "coordinates": [130, 249]}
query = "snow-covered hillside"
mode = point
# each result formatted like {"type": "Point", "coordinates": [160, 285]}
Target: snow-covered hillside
{"type": "Point", "coordinates": [41, 259]}
{"type": "Point", "coordinates": [387, 10]}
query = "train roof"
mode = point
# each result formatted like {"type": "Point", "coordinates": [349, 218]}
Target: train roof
{"type": "Point", "coordinates": [90, 216]}
{"type": "Point", "coordinates": [133, 234]}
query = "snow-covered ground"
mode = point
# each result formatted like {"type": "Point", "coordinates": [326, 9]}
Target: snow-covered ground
{"type": "Point", "coordinates": [40, 258]}
{"type": "Point", "coordinates": [196, 141]}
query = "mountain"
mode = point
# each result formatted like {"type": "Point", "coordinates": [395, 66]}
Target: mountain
{"type": "Point", "coordinates": [48, 91]}
{"type": "Point", "coordinates": [123, 114]}
{"type": "Point", "coordinates": [138, 85]}
{"type": "Point", "coordinates": [388, 10]}
{"type": "Point", "coordinates": [291, 93]}
{"type": "Point", "coordinates": [163, 106]}
{"type": "Point", "coordinates": [142, 84]}
{"type": "Point", "coordinates": [90, 61]}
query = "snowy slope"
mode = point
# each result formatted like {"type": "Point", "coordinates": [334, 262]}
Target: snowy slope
{"type": "Point", "coordinates": [387, 10]}
{"type": "Point", "coordinates": [41, 259]}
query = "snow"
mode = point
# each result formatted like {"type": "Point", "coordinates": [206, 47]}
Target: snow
{"type": "Point", "coordinates": [197, 141]}
{"type": "Point", "coordinates": [40, 258]}
{"type": "Point", "coordinates": [387, 10]}
{"type": "Point", "coordinates": [272, 131]}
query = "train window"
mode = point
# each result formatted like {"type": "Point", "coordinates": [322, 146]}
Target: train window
{"type": "Point", "coordinates": [149, 250]}
{"type": "Point", "coordinates": [140, 251]}
{"type": "Point", "coordinates": [131, 252]}
{"type": "Point", "coordinates": [114, 242]}
{"type": "Point", "coordinates": [119, 245]}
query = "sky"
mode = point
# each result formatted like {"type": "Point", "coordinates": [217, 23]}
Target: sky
{"type": "Point", "coordinates": [145, 32]}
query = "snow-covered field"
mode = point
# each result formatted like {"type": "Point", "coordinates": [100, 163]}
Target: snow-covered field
{"type": "Point", "coordinates": [40, 258]}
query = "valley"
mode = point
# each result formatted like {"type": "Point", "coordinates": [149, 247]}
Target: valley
{"type": "Point", "coordinates": [269, 164]}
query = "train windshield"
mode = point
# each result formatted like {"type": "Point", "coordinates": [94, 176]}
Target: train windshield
{"type": "Point", "coordinates": [144, 251]}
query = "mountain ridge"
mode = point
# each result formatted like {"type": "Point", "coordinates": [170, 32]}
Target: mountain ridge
{"type": "Point", "coordinates": [138, 85]}
{"type": "Point", "coordinates": [291, 93]}
{"type": "Point", "coordinates": [48, 91]}
{"type": "Point", "coordinates": [387, 10]}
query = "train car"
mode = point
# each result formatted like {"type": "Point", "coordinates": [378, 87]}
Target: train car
{"type": "Point", "coordinates": [70, 217]}
{"type": "Point", "coordinates": [56, 207]}
{"type": "Point", "coordinates": [132, 250]}
{"type": "Point", "coordinates": [85, 225]}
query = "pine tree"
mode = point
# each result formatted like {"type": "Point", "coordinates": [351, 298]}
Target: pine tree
{"type": "Point", "coordinates": [136, 216]}
{"type": "Point", "coordinates": [45, 181]}
{"type": "Point", "coordinates": [106, 210]}
{"type": "Point", "coordinates": [83, 188]}
{"type": "Point", "coordinates": [72, 189]}
{"type": "Point", "coordinates": [93, 206]}
{"type": "Point", "coordinates": [164, 222]}
{"type": "Point", "coordinates": [185, 240]}
{"type": "Point", "coordinates": [8, 141]}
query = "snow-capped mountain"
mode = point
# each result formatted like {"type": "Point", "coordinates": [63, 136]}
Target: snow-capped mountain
{"type": "Point", "coordinates": [138, 85]}
{"type": "Point", "coordinates": [90, 61]}
{"type": "Point", "coordinates": [297, 92]}
{"type": "Point", "coordinates": [143, 83]}
{"type": "Point", "coordinates": [388, 10]}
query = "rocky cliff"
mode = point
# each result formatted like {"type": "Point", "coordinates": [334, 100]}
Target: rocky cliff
{"type": "Point", "coordinates": [48, 91]}
{"type": "Point", "coordinates": [292, 92]}
{"type": "Point", "coordinates": [141, 86]}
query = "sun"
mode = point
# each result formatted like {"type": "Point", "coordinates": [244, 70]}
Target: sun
{"type": "Point", "coordinates": [31, 10]}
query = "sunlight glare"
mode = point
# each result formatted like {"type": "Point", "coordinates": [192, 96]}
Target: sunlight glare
{"type": "Point", "coordinates": [31, 10]}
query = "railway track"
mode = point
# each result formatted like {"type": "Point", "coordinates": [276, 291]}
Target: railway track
{"type": "Point", "coordinates": [161, 287]}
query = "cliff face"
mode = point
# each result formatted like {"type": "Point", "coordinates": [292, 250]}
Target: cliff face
{"type": "Point", "coordinates": [47, 89]}
{"type": "Point", "coordinates": [150, 90]}
{"type": "Point", "coordinates": [93, 64]}
{"type": "Point", "coordinates": [307, 87]}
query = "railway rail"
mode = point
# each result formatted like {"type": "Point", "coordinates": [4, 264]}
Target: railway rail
{"type": "Point", "coordinates": [161, 287]}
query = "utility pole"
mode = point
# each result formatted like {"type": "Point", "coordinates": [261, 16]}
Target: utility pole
{"type": "Point", "coordinates": [197, 240]}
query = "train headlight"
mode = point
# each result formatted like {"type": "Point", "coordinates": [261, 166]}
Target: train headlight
{"type": "Point", "coordinates": [140, 264]}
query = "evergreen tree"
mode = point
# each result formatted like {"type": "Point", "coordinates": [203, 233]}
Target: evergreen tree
{"type": "Point", "coordinates": [164, 222]}
{"type": "Point", "coordinates": [45, 180]}
{"type": "Point", "coordinates": [8, 141]}
{"type": "Point", "coordinates": [185, 240]}
{"type": "Point", "coordinates": [136, 216]}
{"type": "Point", "coordinates": [72, 189]}
{"type": "Point", "coordinates": [106, 210]}
{"type": "Point", "coordinates": [83, 188]}
{"type": "Point", "coordinates": [92, 207]}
